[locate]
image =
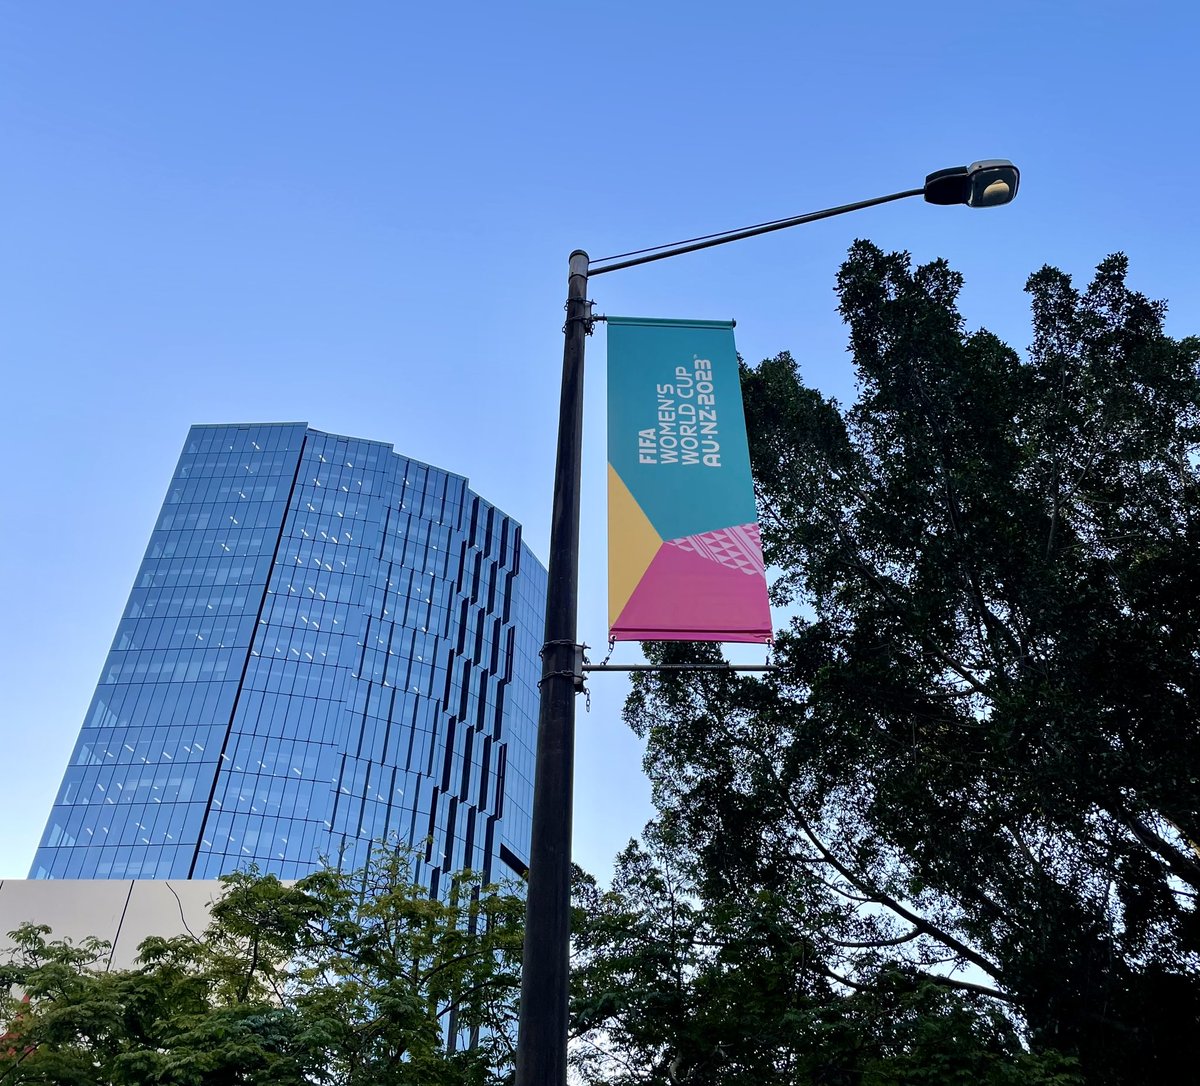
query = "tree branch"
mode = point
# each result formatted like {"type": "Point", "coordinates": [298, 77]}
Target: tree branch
{"type": "Point", "coordinates": [885, 899]}
{"type": "Point", "coordinates": [934, 978]}
{"type": "Point", "coordinates": [872, 943]}
{"type": "Point", "coordinates": [1183, 867]}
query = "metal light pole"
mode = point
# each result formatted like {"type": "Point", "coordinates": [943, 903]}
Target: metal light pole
{"type": "Point", "coordinates": [542, 1030]}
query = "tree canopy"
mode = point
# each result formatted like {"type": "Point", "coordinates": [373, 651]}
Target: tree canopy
{"type": "Point", "coordinates": [343, 978]}
{"type": "Point", "coordinates": [977, 767]}
{"type": "Point", "coordinates": [672, 988]}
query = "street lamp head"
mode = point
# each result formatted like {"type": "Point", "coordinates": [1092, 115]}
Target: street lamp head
{"type": "Point", "coordinates": [992, 182]}
{"type": "Point", "coordinates": [989, 183]}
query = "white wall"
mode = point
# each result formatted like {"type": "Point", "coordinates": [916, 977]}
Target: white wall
{"type": "Point", "coordinates": [121, 911]}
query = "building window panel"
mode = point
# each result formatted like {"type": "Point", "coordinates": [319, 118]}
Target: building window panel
{"type": "Point", "coordinates": [231, 562]}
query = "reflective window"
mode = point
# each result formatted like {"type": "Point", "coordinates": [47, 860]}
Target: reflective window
{"type": "Point", "coordinates": [327, 644]}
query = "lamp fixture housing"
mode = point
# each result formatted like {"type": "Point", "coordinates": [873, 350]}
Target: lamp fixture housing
{"type": "Point", "coordinates": [991, 182]}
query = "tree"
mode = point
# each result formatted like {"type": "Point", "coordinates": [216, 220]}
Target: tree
{"type": "Point", "coordinates": [977, 765]}
{"type": "Point", "coordinates": [673, 990]}
{"type": "Point", "coordinates": [342, 978]}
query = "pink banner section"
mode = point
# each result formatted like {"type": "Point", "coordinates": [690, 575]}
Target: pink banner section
{"type": "Point", "coordinates": [712, 582]}
{"type": "Point", "coordinates": [738, 548]}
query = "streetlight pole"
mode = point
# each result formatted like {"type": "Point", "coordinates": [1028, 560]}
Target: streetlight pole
{"type": "Point", "coordinates": [542, 1032]}
{"type": "Point", "coordinates": [542, 1029]}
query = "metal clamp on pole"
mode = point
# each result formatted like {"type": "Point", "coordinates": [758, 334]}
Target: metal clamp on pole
{"type": "Point", "coordinates": [587, 318]}
{"type": "Point", "coordinates": [578, 663]}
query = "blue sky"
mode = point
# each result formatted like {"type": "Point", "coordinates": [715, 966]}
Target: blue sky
{"type": "Point", "coordinates": [359, 215]}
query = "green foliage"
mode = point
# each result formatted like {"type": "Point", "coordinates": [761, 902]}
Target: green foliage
{"type": "Point", "coordinates": [671, 989]}
{"type": "Point", "coordinates": [978, 763]}
{"type": "Point", "coordinates": [342, 978]}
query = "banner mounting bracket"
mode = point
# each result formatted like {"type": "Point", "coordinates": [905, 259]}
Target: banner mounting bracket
{"type": "Point", "coordinates": [587, 318]}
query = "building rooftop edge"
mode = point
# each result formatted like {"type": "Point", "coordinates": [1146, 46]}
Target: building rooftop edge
{"type": "Point", "coordinates": [390, 446]}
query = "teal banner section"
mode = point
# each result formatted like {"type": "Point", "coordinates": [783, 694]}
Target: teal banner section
{"type": "Point", "coordinates": [676, 427]}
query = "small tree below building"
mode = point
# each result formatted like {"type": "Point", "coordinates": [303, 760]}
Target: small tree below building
{"type": "Point", "coordinates": [343, 978]}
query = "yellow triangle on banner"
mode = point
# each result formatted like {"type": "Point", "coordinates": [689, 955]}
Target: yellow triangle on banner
{"type": "Point", "coordinates": [632, 545]}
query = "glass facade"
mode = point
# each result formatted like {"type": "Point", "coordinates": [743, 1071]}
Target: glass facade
{"type": "Point", "coordinates": [328, 644]}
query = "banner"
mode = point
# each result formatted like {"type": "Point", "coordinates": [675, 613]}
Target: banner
{"type": "Point", "coordinates": [684, 558]}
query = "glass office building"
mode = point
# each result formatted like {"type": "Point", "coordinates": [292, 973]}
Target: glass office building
{"type": "Point", "coordinates": [328, 644]}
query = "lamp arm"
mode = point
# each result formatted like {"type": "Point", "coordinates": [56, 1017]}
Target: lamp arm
{"type": "Point", "coordinates": [661, 252]}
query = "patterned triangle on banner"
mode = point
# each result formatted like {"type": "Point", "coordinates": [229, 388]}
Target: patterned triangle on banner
{"type": "Point", "coordinates": [632, 544]}
{"type": "Point", "coordinates": [687, 596]}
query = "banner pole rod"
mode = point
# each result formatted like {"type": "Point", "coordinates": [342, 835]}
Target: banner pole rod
{"type": "Point", "coordinates": [542, 1018]}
